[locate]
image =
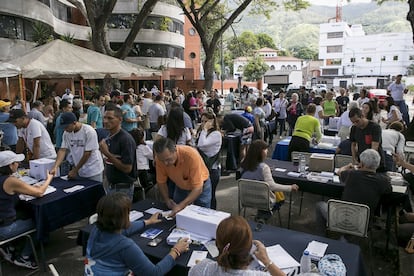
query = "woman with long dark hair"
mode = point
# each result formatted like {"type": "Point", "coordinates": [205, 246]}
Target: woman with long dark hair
{"type": "Point", "coordinates": [253, 167]}
{"type": "Point", "coordinates": [175, 129]}
{"type": "Point", "coordinates": [209, 143]}
{"type": "Point", "coordinates": [394, 114]}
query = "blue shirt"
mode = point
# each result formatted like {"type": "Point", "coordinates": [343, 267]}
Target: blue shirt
{"type": "Point", "coordinates": [95, 115]}
{"type": "Point", "coordinates": [128, 113]}
{"type": "Point", "coordinates": [9, 130]}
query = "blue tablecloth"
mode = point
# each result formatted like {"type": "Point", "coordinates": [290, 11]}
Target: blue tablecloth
{"type": "Point", "coordinates": [292, 241]}
{"type": "Point", "coordinates": [59, 209]}
{"type": "Point", "coordinates": [281, 150]}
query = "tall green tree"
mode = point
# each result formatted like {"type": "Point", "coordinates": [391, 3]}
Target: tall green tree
{"type": "Point", "coordinates": [97, 13]}
{"type": "Point", "coordinates": [211, 18]}
{"type": "Point", "coordinates": [255, 69]}
{"type": "Point", "coordinates": [265, 40]}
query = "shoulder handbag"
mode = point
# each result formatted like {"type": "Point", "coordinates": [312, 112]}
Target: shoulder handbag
{"type": "Point", "coordinates": [208, 161]}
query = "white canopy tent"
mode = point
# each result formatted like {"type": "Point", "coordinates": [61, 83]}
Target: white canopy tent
{"type": "Point", "coordinates": [59, 59]}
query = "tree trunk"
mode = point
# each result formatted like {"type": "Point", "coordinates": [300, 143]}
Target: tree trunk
{"type": "Point", "coordinates": [209, 70]}
{"type": "Point", "coordinates": [410, 15]}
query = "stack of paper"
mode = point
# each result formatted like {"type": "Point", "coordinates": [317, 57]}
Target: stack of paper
{"type": "Point", "coordinates": [316, 250]}
{"type": "Point", "coordinates": [178, 233]}
{"type": "Point", "coordinates": [73, 189]}
{"type": "Point", "coordinates": [50, 189]}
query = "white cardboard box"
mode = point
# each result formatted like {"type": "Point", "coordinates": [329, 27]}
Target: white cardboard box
{"type": "Point", "coordinates": [39, 167]}
{"type": "Point", "coordinates": [200, 220]}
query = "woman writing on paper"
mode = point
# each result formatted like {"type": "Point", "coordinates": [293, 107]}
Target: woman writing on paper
{"type": "Point", "coordinates": [111, 252]}
{"type": "Point", "coordinates": [235, 244]}
{"type": "Point", "coordinates": [10, 223]}
{"type": "Point", "coordinates": [253, 167]}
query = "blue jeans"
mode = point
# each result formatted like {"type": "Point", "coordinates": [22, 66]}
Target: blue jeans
{"type": "Point", "coordinates": [203, 200]}
{"type": "Point", "coordinates": [403, 108]}
{"type": "Point", "coordinates": [215, 178]}
{"type": "Point", "coordinates": [16, 228]}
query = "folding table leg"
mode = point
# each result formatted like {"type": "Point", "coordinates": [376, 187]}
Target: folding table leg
{"type": "Point", "coordinates": [42, 256]}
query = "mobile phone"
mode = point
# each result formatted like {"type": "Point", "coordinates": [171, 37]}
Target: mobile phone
{"type": "Point", "coordinates": [154, 242]}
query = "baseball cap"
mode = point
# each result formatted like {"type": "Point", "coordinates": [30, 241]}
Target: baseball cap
{"type": "Point", "coordinates": [7, 157]}
{"type": "Point", "coordinates": [67, 118]}
{"type": "Point", "coordinates": [3, 104]}
{"type": "Point", "coordinates": [15, 114]}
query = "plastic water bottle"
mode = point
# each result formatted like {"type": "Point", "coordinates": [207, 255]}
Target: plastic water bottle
{"type": "Point", "coordinates": [305, 263]}
{"type": "Point", "coordinates": [302, 164]}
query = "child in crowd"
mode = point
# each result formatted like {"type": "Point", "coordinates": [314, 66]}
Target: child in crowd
{"type": "Point", "coordinates": [144, 154]}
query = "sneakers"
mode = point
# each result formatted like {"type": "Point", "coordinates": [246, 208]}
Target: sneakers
{"type": "Point", "coordinates": [25, 262]}
{"type": "Point", "coordinates": [8, 254]}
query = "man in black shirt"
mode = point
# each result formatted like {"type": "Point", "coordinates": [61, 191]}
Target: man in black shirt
{"type": "Point", "coordinates": [363, 186]}
{"type": "Point", "coordinates": [342, 101]}
{"type": "Point", "coordinates": [364, 135]}
{"type": "Point", "coordinates": [119, 150]}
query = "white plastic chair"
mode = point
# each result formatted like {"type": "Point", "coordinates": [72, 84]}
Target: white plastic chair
{"type": "Point", "coordinates": [256, 195]}
{"type": "Point", "coordinates": [342, 160]}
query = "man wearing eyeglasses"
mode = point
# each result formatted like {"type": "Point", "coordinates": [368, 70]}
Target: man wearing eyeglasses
{"type": "Point", "coordinates": [183, 165]}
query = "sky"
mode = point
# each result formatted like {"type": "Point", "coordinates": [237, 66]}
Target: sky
{"type": "Point", "coordinates": [334, 2]}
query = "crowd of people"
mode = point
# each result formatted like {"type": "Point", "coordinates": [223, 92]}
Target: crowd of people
{"type": "Point", "coordinates": [173, 139]}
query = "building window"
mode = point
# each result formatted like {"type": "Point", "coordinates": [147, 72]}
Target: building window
{"type": "Point", "coordinates": [352, 60]}
{"type": "Point", "coordinates": [61, 11]}
{"type": "Point", "coordinates": [294, 67]}
{"type": "Point", "coordinates": [383, 58]}
{"type": "Point", "coordinates": [283, 68]}
{"type": "Point", "coordinates": [193, 55]}
{"type": "Point", "coordinates": [240, 68]}
{"type": "Point", "coordinates": [335, 35]}
{"type": "Point", "coordinates": [289, 67]}
{"type": "Point", "coordinates": [46, 2]}
{"type": "Point", "coordinates": [329, 72]}
{"type": "Point", "coordinates": [368, 59]}
{"type": "Point", "coordinates": [395, 58]}
{"type": "Point", "coordinates": [272, 67]}
{"type": "Point", "coordinates": [411, 57]}
{"type": "Point", "coordinates": [125, 21]}
{"type": "Point", "coordinates": [152, 50]}
{"type": "Point", "coordinates": [334, 49]}
{"type": "Point", "coordinates": [333, 61]}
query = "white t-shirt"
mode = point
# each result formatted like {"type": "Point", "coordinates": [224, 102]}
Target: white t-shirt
{"type": "Point", "coordinates": [68, 97]}
{"type": "Point", "coordinates": [144, 153]}
{"type": "Point", "coordinates": [77, 143]}
{"type": "Point", "coordinates": [155, 111]}
{"type": "Point", "coordinates": [37, 129]}
{"type": "Point", "coordinates": [182, 140]}
{"type": "Point", "coordinates": [210, 144]}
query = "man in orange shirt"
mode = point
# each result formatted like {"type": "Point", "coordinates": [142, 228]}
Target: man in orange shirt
{"type": "Point", "coordinates": [183, 166]}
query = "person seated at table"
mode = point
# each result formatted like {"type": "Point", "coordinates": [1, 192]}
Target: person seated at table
{"type": "Point", "coordinates": [392, 142]}
{"type": "Point", "coordinates": [110, 251]}
{"type": "Point", "coordinates": [253, 167]}
{"type": "Point", "coordinates": [306, 127]}
{"type": "Point", "coordinates": [234, 241]}
{"type": "Point", "coordinates": [363, 185]}
{"type": "Point", "coordinates": [11, 224]}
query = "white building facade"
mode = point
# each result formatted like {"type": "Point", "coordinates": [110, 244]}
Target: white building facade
{"type": "Point", "coordinates": [160, 43]}
{"type": "Point", "coordinates": [270, 57]}
{"type": "Point", "coordinates": [352, 58]}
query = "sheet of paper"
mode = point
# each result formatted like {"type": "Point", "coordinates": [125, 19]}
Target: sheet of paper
{"type": "Point", "coordinates": [280, 169]}
{"type": "Point", "coordinates": [196, 257]}
{"type": "Point", "coordinates": [135, 215]}
{"type": "Point", "coordinates": [294, 174]}
{"type": "Point", "coordinates": [65, 177]}
{"type": "Point", "coordinates": [399, 189]}
{"type": "Point", "coordinates": [153, 211]}
{"type": "Point", "coordinates": [316, 249]}
{"type": "Point", "coordinates": [73, 189]}
{"type": "Point", "coordinates": [50, 189]}
{"type": "Point", "coordinates": [29, 180]}
{"type": "Point", "coordinates": [281, 257]}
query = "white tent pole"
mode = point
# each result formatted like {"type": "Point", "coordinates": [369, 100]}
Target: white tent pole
{"type": "Point", "coordinates": [8, 88]}
{"type": "Point", "coordinates": [35, 90]}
